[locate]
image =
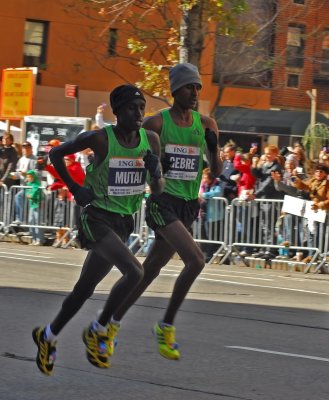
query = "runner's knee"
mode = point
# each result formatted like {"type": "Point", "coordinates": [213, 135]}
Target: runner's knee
{"type": "Point", "coordinates": [150, 275]}
{"type": "Point", "coordinates": [135, 273]}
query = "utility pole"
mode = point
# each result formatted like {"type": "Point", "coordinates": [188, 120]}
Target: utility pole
{"type": "Point", "coordinates": [312, 94]}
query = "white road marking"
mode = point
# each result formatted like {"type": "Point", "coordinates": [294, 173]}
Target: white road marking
{"type": "Point", "coordinates": [280, 353]}
{"type": "Point", "coordinates": [176, 274]}
{"type": "Point", "coordinates": [208, 273]}
{"type": "Point", "coordinates": [25, 254]}
{"type": "Point", "coordinates": [262, 286]}
{"type": "Point", "coordinates": [41, 261]}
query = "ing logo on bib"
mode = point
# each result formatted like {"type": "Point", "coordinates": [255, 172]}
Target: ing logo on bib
{"type": "Point", "coordinates": [126, 176]}
{"type": "Point", "coordinates": [184, 161]}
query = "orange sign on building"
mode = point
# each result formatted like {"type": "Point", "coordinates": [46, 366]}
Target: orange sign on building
{"type": "Point", "coordinates": [16, 93]}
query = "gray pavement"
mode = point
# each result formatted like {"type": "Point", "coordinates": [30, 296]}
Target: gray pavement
{"type": "Point", "coordinates": [244, 334]}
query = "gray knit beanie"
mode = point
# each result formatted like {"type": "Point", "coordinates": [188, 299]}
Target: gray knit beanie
{"type": "Point", "coordinates": [183, 74]}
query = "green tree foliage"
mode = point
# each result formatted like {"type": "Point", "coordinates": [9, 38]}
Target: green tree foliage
{"type": "Point", "coordinates": [159, 33]}
{"type": "Point", "coordinates": [315, 138]}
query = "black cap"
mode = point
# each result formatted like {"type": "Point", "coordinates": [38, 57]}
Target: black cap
{"type": "Point", "coordinates": [123, 94]}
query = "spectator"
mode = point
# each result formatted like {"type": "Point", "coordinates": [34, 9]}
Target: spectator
{"type": "Point", "coordinates": [227, 185]}
{"type": "Point", "coordinates": [63, 195]}
{"type": "Point", "coordinates": [34, 196]}
{"type": "Point", "coordinates": [209, 212]}
{"type": "Point", "coordinates": [85, 157]}
{"type": "Point", "coordinates": [245, 186]}
{"type": "Point", "coordinates": [99, 118]}
{"type": "Point", "coordinates": [9, 157]}
{"type": "Point", "coordinates": [246, 182]}
{"type": "Point", "coordinates": [25, 163]}
{"type": "Point", "coordinates": [318, 188]}
{"type": "Point", "coordinates": [285, 233]}
{"type": "Point", "coordinates": [265, 189]}
{"type": "Point", "coordinates": [75, 170]}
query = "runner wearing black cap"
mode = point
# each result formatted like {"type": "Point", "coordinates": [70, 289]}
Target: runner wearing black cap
{"type": "Point", "coordinates": [123, 156]}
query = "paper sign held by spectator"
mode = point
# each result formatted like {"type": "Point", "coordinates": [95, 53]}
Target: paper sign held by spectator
{"type": "Point", "coordinates": [302, 208]}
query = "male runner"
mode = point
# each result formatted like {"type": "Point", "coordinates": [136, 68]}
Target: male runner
{"type": "Point", "coordinates": [112, 192]}
{"type": "Point", "coordinates": [184, 136]}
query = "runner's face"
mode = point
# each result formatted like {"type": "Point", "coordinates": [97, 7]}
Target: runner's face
{"type": "Point", "coordinates": [187, 96]}
{"type": "Point", "coordinates": [131, 115]}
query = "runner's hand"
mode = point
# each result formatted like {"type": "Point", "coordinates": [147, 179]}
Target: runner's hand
{"type": "Point", "coordinates": [166, 163]}
{"type": "Point", "coordinates": [82, 195]}
{"type": "Point", "coordinates": [211, 139]}
{"type": "Point", "coordinates": [151, 163]}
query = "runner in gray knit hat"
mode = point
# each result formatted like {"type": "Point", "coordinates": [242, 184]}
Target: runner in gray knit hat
{"type": "Point", "coordinates": [185, 137]}
{"type": "Point", "coordinates": [183, 74]}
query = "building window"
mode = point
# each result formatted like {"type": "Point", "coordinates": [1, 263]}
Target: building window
{"type": "Point", "coordinates": [325, 52]}
{"type": "Point", "coordinates": [112, 45]}
{"type": "Point", "coordinates": [293, 81]}
{"type": "Point", "coordinates": [299, 1]}
{"type": "Point", "coordinates": [295, 46]}
{"type": "Point", "coordinates": [35, 43]}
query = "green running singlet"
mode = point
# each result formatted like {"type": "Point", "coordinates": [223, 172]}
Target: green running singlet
{"type": "Point", "coordinates": [118, 182]}
{"type": "Point", "coordinates": [184, 146]}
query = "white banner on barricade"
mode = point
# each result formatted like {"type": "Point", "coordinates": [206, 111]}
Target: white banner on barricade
{"type": "Point", "coordinates": [303, 208]}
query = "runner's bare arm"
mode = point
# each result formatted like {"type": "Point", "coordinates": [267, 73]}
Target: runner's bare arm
{"type": "Point", "coordinates": [153, 123]}
{"type": "Point", "coordinates": [156, 185]}
{"type": "Point", "coordinates": [215, 162]}
{"type": "Point", "coordinates": [95, 140]}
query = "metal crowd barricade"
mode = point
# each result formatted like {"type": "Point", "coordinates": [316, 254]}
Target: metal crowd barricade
{"type": "Point", "coordinates": [3, 208]}
{"type": "Point", "coordinates": [230, 228]}
{"type": "Point", "coordinates": [212, 230]}
{"type": "Point", "coordinates": [53, 212]}
{"type": "Point", "coordinates": [136, 237]}
{"type": "Point", "coordinates": [254, 224]}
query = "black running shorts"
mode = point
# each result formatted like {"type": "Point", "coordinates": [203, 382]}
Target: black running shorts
{"type": "Point", "coordinates": [163, 209]}
{"type": "Point", "coordinates": [95, 223]}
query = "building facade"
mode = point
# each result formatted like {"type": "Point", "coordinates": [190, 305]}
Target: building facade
{"type": "Point", "coordinates": [81, 47]}
{"type": "Point", "coordinates": [301, 47]}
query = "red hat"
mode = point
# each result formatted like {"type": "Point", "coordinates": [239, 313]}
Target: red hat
{"type": "Point", "coordinates": [69, 157]}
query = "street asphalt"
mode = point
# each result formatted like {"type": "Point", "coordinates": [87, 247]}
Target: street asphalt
{"type": "Point", "coordinates": [244, 334]}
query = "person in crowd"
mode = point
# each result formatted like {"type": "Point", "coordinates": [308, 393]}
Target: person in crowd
{"type": "Point", "coordinates": [209, 212]}
{"type": "Point", "coordinates": [265, 190]}
{"type": "Point", "coordinates": [245, 187]}
{"type": "Point", "coordinates": [324, 156]}
{"type": "Point", "coordinates": [318, 188]}
{"type": "Point", "coordinates": [34, 196]}
{"type": "Point", "coordinates": [9, 158]}
{"type": "Point", "coordinates": [99, 117]}
{"type": "Point", "coordinates": [246, 182]}
{"type": "Point", "coordinates": [125, 155]}
{"type": "Point", "coordinates": [25, 163]}
{"type": "Point", "coordinates": [284, 183]}
{"type": "Point", "coordinates": [18, 148]}
{"type": "Point", "coordinates": [227, 185]}
{"type": "Point", "coordinates": [43, 160]}
{"type": "Point", "coordinates": [85, 157]}
{"type": "Point", "coordinates": [185, 136]}
{"type": "Point", "coordinates": [64, 196]}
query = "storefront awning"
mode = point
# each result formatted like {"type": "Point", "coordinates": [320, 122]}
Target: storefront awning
{"type": "Point", "coordinates": [271, 122]}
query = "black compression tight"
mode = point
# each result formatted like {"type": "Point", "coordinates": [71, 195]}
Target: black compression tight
{"type": "Point", "coordinates": [99, 261]}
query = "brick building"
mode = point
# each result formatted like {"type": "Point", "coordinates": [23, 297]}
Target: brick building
{"type": "Point", "coordinates": [302, 50]}
{"type": "Point", "coordinates": [70, 48]}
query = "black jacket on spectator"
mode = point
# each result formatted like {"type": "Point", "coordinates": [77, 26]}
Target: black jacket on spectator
{"type": "Point", "coordinates": [228, 186]}
{"type": "Point", "coordinates": [265, 188]}
{"type": "Point", "coordinates": [9, 160]}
